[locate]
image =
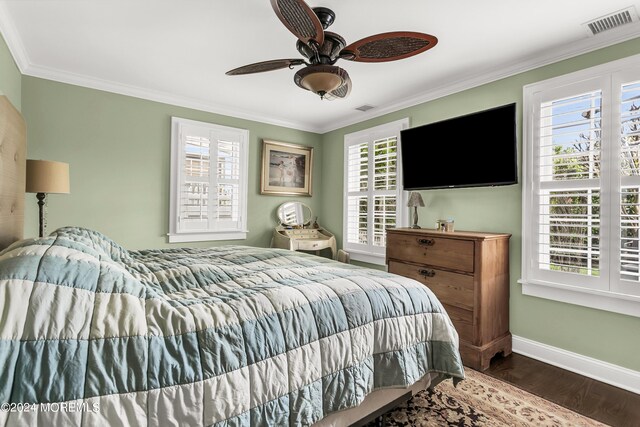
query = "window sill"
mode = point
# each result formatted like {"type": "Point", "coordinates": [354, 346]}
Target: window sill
{"type": "Point", "coordinates": [368, 257]}
{"type": "Point", "coordinates": [204, 237]}
{"type": "Point", "coordinates": [601, 300]}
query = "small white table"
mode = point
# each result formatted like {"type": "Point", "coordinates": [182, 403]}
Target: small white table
{"type": "Point", "coordinates": [304, 239]}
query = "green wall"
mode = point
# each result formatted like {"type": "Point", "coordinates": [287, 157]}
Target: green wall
{"type": "Point", "coordinates": [118, 149]}
{"type": "Point", "coordinates": [10, 77]}
{"type": "Point", "coordinates": [599, 334]}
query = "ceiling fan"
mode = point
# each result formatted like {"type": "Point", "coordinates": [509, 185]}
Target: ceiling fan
{"type": "Point", "coordinates": [321, 49]}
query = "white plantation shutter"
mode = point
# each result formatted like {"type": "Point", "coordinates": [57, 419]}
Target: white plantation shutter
{"type": "Point", "coordinates": [209, 179]}
{"type": "Point", "coordinates": [385, 160]}
{"type": "Point", "coordinates": [569, 184]}
{"type": "Point", "coordinates": [194, 185]}
{"type": "Point", "coordinates": [384, 216]}
{"type": "Point", "coordinates": [372, 191]}
{"type": "Point", "coordinates": [627, 256]}
{"type": "Point", "coordinates": [357, 190]}
{"type": "Point", "coordinates": [581, 201]}
{"type": "Point", "coordinates": [228, 181]}
{"type": "Point", "coordinates": [357, 226]}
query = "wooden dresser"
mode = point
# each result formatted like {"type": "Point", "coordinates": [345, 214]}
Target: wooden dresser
{"type": "Point", "coordinates": [469, 273]}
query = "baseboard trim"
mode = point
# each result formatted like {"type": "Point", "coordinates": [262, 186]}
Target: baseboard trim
{"type": "Point", "coordinates": [589, 367]}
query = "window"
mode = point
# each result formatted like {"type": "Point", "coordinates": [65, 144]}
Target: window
{"type": "Point", "coordinates": [208, 182]}
{"type": "Point", "coordinates": [373, 190]}
{"type": "Point", "coordinates": [581, 205]}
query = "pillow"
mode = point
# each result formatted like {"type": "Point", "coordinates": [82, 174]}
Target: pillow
{"type": "Point", "coordinates": [95, 240]}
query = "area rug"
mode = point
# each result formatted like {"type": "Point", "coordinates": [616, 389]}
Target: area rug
{"type": "Point", "coordinates": [481, 400]}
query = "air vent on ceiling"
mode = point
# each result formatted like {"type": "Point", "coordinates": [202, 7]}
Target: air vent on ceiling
{"type": "Point", "coordinates": [611, 21]}
{"type": "Point", "coordinates": [365, 107]}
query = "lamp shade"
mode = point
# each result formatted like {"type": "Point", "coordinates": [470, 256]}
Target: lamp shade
{"type": "Point", "coordinates": [415, 199]}
{"type": "Point", "coordinates": [44, 176]}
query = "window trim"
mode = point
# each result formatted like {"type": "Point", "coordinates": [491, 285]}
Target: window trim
{"type": "Point", "coordinates": [175, 236]}
{"type": "Point", "coordinates": [592, 298]}
{"type": "Point", "coordinates": [365, 253]}
{"type": "Point", "coordinates": [608, 299]}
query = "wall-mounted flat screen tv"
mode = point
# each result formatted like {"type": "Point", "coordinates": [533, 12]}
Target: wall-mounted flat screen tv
{"type": "Point", "coordinates": [475, 150]}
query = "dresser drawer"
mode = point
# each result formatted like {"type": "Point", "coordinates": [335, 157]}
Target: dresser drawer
{"type": "Point", "coordinates": [434, 251]}
{"type": "Point", "coordinates": [309, 245]}
{"type": "Point", "coordinates": [451, 288]}
{"type": "Point", "coordinates": [463, 322]}
{"type": "Point", "coordinates": [302, 233]}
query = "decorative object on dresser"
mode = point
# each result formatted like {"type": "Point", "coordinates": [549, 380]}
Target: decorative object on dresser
{"type": "Point", "coordinates": [415, 200]}
{"type": "Point", "coordinates": [287, 169]}
{"type": "Point", "coordinates": [469, 273]}
{"type": "Point", "coordinates": [44, 176]}
{"type": "Point", "coordinates": [445, 225]}
{"type": "Point", "coordinates": [294, 231]}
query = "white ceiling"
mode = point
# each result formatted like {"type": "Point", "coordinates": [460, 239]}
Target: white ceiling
{"type": "Point", "coordinates": [177, 51]}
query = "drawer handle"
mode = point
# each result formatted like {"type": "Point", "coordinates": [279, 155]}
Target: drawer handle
{"type": "Point", "coordinates": [427, 273]}
{"type": "Point", "coordinates": [426, 242]}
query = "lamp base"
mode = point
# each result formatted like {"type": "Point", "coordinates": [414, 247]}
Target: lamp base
{"type": "Point", "coordinates": [41, 197]}
{"type": "Point", "coordinates": [415, 218]}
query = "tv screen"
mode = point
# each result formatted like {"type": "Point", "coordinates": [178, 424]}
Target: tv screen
{"type": "Point", "coordinates": [475, 150]}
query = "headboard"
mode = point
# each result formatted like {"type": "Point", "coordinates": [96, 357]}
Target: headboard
{"type": "Point", "coordinates": [13, 164]}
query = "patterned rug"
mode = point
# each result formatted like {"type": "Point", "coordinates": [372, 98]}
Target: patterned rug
{"type": "Point", "coordinates": [481, 400]}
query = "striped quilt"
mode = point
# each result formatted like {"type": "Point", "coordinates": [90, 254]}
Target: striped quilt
{"type": "Point", "coordinates": [92, 334]}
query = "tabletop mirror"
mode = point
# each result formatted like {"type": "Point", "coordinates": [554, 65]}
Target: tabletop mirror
{"type": "Point", "coordinates": [294, 214]}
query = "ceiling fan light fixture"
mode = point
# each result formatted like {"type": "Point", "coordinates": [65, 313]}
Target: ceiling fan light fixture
{"type": "Point", "coordinates": [321, 49]}
{"type": "Point", "coordinates": [321, 82]}
{"type": "Point", "coordinates": [321, 79]}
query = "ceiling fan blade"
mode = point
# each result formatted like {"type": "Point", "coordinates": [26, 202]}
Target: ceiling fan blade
{"type": "Point", "coordinates": [300, 19]}
{"type": "Point", "coordinates": [388, 46]}
{"type": "Point", "coordinates": [260, 67]}
{"type": "Point", "coordinates": [341, 92]}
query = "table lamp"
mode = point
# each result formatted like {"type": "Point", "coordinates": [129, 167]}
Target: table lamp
{"type": "Point", "coordinates": [43, 177]}
{"type": "Point", "coordinates": [415, 200]}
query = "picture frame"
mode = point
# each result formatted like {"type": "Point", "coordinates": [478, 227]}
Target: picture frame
{"type": "Point", "coordinates": [287, 169]}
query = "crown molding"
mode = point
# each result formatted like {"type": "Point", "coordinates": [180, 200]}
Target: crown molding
{"type": "Point", "coordinates": [464, 82]}
{"type": "Point", "coordinates": [475, 79]}
{"type": "Point", "coordinates": [159, 96]}
{"type": "Point", "coordinates": [13, 40]}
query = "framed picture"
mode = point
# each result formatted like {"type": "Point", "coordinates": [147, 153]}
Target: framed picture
{"type": "Point", "coordinates": [287, 169]}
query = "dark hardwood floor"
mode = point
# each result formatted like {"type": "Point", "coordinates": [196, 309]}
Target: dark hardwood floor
{"type": "Point", "coordinates": [594, 399]}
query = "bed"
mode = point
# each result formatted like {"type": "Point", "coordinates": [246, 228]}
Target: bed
{"type": "Point", "coordinates": [94, 334]}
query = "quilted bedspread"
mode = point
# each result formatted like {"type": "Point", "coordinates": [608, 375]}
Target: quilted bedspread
{"type": "Point", "coordinates": [93, 334]}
